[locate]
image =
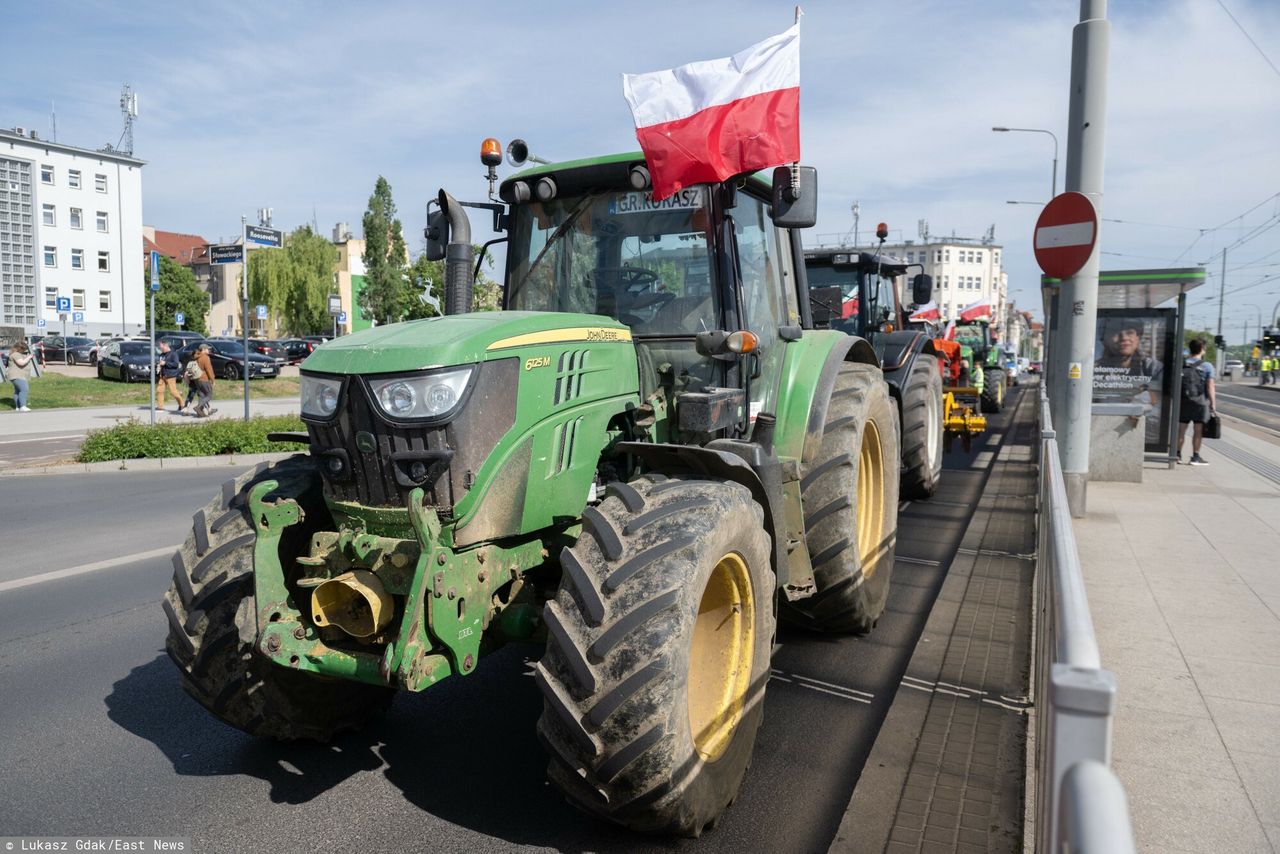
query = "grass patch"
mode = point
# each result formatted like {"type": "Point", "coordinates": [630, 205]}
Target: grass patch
{"type": "Point", "coordinates": [134, 440]}
{"type": "Point", "coordinates": [59, 391]}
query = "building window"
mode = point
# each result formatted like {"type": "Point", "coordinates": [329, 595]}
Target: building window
{"type": "Point", "coordinates": [979, 257]}
{"type": "Point", "coordinates": [50, 297]}
{"type": "Point", "coordinates": [102, 221]}
{"type": "Point", "coordinates": [104, 262]}
{"type": "Point", "coordinates": [77, 259]}
{"type": "Point", "coordinates": [937, 256]}
{"type": "Point", "coordinates": [77, 299]}
{"type": "Point", "coordinates": [73, 179]}
{"type": "Point", "coordinates": [104, 300]}
{"type": "Point", "coordinates": [48, 215]}
{"type": "Point", "coordinates": [77, 218]}
{"type": "Point", "coordinates": [100, 183]}
{"type": "Point", "coordinates": [51, 256]}
{"type": "Point", "coordinates": [46, 173]}
{"type": "Point", "coordinates": [995, 258]}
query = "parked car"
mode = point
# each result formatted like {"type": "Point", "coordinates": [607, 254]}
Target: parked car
{"type": "Point", "coordinates": [1233, 368]}
{"type": "Point", "coordinates": [126, 361]}
{"type": "Point", "coordinates": [1035, 367]}
{"type": "Point", "coordinates": [270, 347]}
{"type": "Point", "coordinates": [298, 349]}
{"type": "Point", "coordinates": [71, 350]}
{"type": "Point", "coordinates": [177, 342]}
{"type": "Point", "coordinates": [228, 359]}
{"type": "Point", "coordinates": [317, 340]}
{"type": "Point", "coordinates": [183, 335]}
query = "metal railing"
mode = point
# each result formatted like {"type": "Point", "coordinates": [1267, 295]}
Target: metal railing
{"type": "Point", "coordinates": [1080, 805]}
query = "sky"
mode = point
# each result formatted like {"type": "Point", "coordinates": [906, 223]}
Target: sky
{"type": "Point", "coordinates": [301, 106]}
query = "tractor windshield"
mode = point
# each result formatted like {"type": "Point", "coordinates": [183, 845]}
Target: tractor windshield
{"type": "Point", "coordinates": [845, 276]}
{"type": "Point", "coordinates": [619, 254]}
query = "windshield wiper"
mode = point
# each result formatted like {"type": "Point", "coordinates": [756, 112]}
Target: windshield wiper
{"type": "Point", "coordinates": [557, 234]}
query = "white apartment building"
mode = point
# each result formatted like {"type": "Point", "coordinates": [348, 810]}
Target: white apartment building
{"type": "Point", "coordinates": [70, 226]}
{"type": "Point", "coordinates": [964, 271]}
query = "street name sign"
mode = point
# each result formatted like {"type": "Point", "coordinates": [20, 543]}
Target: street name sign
{"type": "Point", "coordinates": [1065, 234]}
{"type": "Point", "coordinates": [263, 236]}
{"type": "Point", "coordinates": [335, 304]}
{"type": "Point", "coordinates": [226, 253]}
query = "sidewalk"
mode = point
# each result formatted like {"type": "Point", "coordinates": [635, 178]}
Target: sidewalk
{"type": "Point", "coordinates": [1184, 585]}
{"type": "Point", "coordinates": [15, 425]}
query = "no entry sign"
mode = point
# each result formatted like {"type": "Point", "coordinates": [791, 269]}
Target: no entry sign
{"type": "Point", "coordinates": [1065, 235]}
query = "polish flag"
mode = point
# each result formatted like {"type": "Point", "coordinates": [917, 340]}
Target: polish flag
{"type": "Point", "coordinates": [849, 308]}
{"type": "Point", "coordinates": [949, 333]}
{"type": "Point", "coordinates": [975, 310]}
{"type": "Point", "coordinates": [707, 121]}
{"type": "Point", "coordinates": [928, 311]}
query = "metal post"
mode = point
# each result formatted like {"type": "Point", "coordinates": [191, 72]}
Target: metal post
{"type": "Point", "coordinates": [244, 244]}
{"type": "Point", "coordinates": [154, 368]}
{"type": "Point", "coordinates": [1222, 293]}
{"type": "Point", "coordinates": [1072, 368]}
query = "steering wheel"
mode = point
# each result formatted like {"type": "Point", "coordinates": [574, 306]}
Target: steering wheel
{"type": "Point", "coordinates": [633, 278]}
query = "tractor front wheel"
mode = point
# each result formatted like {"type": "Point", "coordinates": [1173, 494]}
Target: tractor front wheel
{"type": "Point", "coordinates": [658, 646]}
{"type": "Point", "coordinates": [213, 627]}
{"type": "Point", "coordinates": [922, 429]}
{"type": "Point", "coordinates": [850, 497]}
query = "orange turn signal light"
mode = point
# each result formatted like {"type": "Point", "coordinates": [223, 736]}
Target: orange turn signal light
{"type": "Point", "coordinates": [743, 342]}
{"type": "Point", "coordinates": [491, 152]}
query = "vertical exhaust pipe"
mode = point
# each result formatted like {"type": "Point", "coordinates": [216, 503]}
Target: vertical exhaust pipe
{"type": "Point", "coordinates": [459, 257]}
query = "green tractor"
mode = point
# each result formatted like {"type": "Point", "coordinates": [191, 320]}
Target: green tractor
{"type": "Point", "coordinates": [644, 460]}
{"type": "Point", "coordinates": [978, 335]}
{"type": "Point", "coordinates": [857, 292]}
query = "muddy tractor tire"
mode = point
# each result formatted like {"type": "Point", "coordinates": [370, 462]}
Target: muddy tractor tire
{"type": "Point", "coordinates": [993, 393]}
{"type": "Point", "coordinates": [850, 497]}
{"type": "Point", "coordinates": [213, 622]}
{"type": "Point", "coordinates": [658, 646]}
{"type": "Point", "coordinates": [922, 429]}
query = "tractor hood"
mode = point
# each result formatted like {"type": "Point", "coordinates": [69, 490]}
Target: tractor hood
{"type": "Point", "coordinates": [456, 340]}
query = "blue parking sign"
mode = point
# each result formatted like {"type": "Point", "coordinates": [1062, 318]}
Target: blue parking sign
{"type": "Point", "coordinates": [342, 317]}
{"type": "Point", "coordinates": [41, 323]}
{"type": "Point", "coordinates": [77, 317]}
{"type": "Point", "coordinates": [179, 318]}
{"type": "Point", "coordinates": [262, 312]}
{"type": "Point", "coordinates": [64, 305]}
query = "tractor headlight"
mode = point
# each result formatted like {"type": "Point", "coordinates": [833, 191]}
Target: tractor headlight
{"type": "Point", "coordinates": [320, 396]}
{"type": "Point", "coordinates": [427, 396]}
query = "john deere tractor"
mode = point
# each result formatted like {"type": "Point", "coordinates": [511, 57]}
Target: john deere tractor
{"type": "Point", "coordinates": [643, 459]}
{"type": "Point", "coordinates": [855, 292]}
{"type": "Point", "coordinates": [978, 335]}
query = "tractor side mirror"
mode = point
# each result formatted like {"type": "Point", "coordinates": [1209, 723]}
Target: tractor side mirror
{"type": "Point", "coordinates": [921, 289]}
{"type": "Point", "coordinates": [795, 207]}
{"type": "Point", "coordinates": [436, 233]}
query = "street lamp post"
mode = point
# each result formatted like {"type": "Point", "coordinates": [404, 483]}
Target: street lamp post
{"type": "Point", "coordinates": [1259, 310]}
{"type": "Point", "coordinates": [1055, 150]}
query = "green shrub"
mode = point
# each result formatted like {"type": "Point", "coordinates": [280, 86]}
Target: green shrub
{"type": "Point", "coordinates": [134, 440]}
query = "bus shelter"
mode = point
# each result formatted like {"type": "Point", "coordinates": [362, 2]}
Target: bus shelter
{"type": "Point", "coordinates": [1138, 344]}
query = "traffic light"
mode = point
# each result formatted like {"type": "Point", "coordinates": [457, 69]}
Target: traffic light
{"type": "Point", "coordinates": [1220, 340]}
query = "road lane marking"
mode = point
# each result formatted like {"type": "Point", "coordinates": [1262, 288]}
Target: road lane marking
{"type": "Point", "coordinates": [1254, 401]}
{"type": "Point", "coordinates": [84, 569]}
{"type": "Point", "coordinates": [823, 687]}
{"type": "Point", "coordinates": [40, 439]}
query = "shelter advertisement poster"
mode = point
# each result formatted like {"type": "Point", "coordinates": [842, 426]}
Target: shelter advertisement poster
{"type": "Point", "coordinates": [1131, 352]}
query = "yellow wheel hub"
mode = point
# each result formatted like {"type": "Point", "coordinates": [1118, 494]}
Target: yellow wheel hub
{"type": "Point", "coordinates": [871, 476]}
{"type": "Point", "coordinates": [720, 657]}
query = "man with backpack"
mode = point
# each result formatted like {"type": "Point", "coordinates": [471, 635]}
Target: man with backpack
{"type": "Point", "coordinates": [1199, 400]}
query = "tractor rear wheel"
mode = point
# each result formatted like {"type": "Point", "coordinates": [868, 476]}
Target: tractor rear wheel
{"type": "Point", "coordinates": [993, 394]}
{"type": "Point", "coordinates": [213, 626]}
{"type": "Point", "coordinates": [658, 646]}
{"type": "Point", "coordinates": [850, 497]}
{"type": "Point", "coordinates": [922, 429]}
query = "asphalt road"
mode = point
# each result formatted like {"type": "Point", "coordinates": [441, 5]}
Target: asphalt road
{"type": "Point", "coordinates": [1259, 406]}
{"type": "Point", "coordinates": [96, 737]}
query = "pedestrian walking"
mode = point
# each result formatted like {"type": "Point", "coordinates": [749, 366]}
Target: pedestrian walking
{"type": "Point", "coordinates": [204, 382]}
{"type": "Point", "coordinates": [19, 372]}
{"type": "Point", "coordinates": [1199, 400]}
{"type": "Point", "coordinates": [170, 369]}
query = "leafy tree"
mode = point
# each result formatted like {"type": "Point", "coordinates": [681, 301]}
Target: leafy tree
{"type": "Point", "coordinates": [385, 296]}
{"type": "Point", "coordinates": [295, 281]}
{"type": "Point", "coordinates": [1210, 349]}
{"type": "Point", "coordinates": [178, 292]}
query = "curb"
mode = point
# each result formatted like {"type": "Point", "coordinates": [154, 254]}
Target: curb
{"type": "Point", "coordinates": [151, 464]}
